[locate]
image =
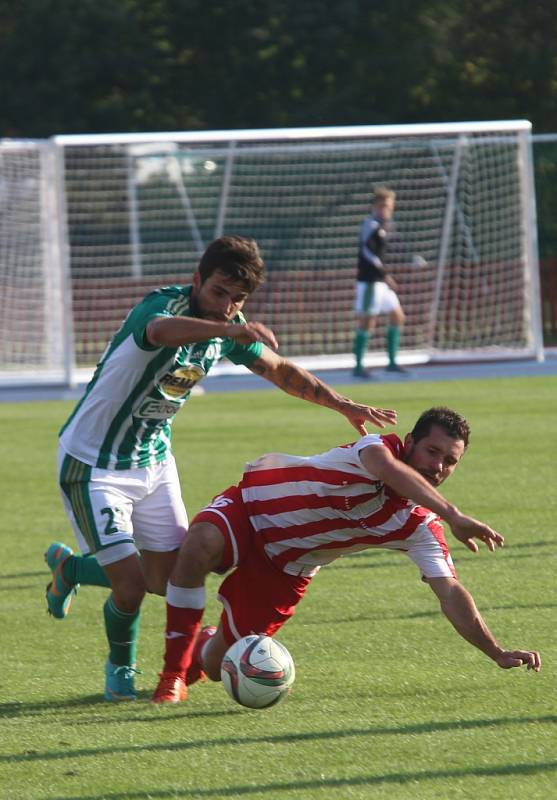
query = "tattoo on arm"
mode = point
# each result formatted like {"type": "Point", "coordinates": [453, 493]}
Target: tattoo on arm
{"type": "Point", "coordinates": [258, 367]}
{"type": "Point", "coordinates": [297, 382]}
{"type": "Point", "coordinates": [301, 384]}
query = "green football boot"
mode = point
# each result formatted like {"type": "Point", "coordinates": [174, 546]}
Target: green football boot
{"type": "Point", "coordinates": [120, 682]}
{"type": "Point", "coordinates": [59, 593]}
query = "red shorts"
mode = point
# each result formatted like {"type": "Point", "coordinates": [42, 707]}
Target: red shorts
{"type": "Point", "coordinates": [257, 597]}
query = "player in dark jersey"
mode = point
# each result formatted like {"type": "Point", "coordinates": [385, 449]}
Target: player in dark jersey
{"type": "Point", "coordinates": [376, 290]}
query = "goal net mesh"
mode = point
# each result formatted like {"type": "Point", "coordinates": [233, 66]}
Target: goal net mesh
{"type": "Point", "coordinates": [139, 212]}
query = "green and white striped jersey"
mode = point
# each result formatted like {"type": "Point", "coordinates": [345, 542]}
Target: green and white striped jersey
{"type": "Point", "coordinates": [124, 418]}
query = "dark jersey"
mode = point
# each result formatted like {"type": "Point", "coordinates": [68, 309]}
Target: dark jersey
{"type": "Point", "coordinates": [373, 237]}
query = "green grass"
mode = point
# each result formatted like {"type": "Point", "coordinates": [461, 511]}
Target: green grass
{"type": "Point", "coordinates": [388, 702]}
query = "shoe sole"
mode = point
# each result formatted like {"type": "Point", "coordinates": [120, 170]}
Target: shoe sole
{"type": "Point", "coordinates": [118, 698]}
{"type": "Point", "coordinates": [178, 696]}
{"type": "Point", "coordinates": [53, 593]}
{"type": "Point", "coordinates": [53, 599]}
{"type": "Point", "coordinates": [167, 701]}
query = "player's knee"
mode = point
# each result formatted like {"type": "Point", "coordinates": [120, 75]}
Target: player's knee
{"type": "Point", "coordinates": [213, 654]}
{"type": "Point", "coordinates": [208, 546]}
{"type": "Point", "coordinates": [201, 551]}
{"type": "Point", "coordinates": [158, 586]}
{"type": "Point", "coordinates": [128, 596]}
{"type": "Point", "coordinates": [157, 569]}
{"type": "Point", "coordinates": [128, 584]}
{"type": "Point", "coordinates": [398, 317]}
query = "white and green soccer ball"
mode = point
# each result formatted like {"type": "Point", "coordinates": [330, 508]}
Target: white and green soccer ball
{"type": "Point", "coordinates": [257, 671]}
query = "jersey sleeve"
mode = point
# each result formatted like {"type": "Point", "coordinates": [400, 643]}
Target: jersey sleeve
{"type": "Point", "coordinates": [368, 243]}
{"type": "Point", "coordinates": [245, 353]}
{"type": "Point", "coordinates": [390, 440]}
{"type": "Point", "coordinates": [393, 443]}
{"type": "Point", "coordinates": [156, 304]}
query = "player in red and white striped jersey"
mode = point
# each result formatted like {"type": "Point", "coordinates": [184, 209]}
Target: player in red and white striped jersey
{"type": "Point", "coordinates": [290, 515]}
{"type": "Point", "coordinates": [306, 512]}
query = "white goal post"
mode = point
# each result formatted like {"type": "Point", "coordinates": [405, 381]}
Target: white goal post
{"type": "Point", "coordinates": [92, 223]}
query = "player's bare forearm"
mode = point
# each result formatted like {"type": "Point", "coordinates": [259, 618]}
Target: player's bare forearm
{"type": "Point", "coordinates": [177, 331]}
{"type": "Point", "coordinates": [460, 609]}
{"type": "Point", "coordinates": [404, 480]}
{"type": "Point", "coordinates": [298, 382]}
{"type": "Point", "coordinates": [407, 482]}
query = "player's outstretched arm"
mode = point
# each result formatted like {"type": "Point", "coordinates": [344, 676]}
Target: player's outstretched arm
{"type": "Point", "coordinates": [177, 331]}
{"type": "Point", "coordinates": [466, 529]}
{"type": "Point", "coordinates": [298, 382]}
{"type": "Point", "coordinates": [407, 482]}
{"type": "Point", "coordinates": [460, 609]}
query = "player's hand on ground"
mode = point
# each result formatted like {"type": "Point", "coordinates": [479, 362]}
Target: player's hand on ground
{"type": "Point", "coordinates": [252, 332]}
{"type": "Point", "coordinates": [358, 415]}
{"type": "Point", "coordinates": [518, 658]}
{"type": "Point", "coordinates": [466, 529]}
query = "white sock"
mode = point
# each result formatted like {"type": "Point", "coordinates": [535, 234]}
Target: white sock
{"type": "Point", "coordinates": [184, 597]}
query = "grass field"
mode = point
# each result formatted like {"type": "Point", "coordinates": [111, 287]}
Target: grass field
{"type": "Point", "coordinates": [388, 702]}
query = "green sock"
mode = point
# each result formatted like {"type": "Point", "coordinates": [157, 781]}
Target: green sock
{"type": "Point", "coordinates": [85, 570]}
{"type": "Point", "coordinates": [122, 630]}
{"type": "Point", "coordinates": [393, 342]}
{"type": "Point", "coordinates": [359, 348]}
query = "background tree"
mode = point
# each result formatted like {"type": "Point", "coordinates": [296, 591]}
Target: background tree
{"type": "Point", "coordinates": [97, 66]}
{"type": "Point", "coordinates": [92, 66]}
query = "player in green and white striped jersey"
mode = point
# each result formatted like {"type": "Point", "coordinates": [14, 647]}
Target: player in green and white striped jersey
{"type": "Point", "coordinates": [123, 424]}
{"type": "Point", "coordinates": [117, 474]}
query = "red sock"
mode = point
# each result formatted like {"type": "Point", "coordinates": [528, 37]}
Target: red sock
{"type": "Point", "coordinates": [182, 626]}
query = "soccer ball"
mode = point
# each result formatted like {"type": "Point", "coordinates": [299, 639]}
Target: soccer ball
{"type": "Point", "coordinates": [419, 262]}
{"type": "Point", "coordinates": [257, 671]}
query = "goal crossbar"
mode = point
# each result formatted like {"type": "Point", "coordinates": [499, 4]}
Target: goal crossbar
{"type": "Point", "coordinates": [94, 222]}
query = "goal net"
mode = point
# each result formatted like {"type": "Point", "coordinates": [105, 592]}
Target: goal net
{"type": "Point", "coordinates": [139, 209]}
{"type": "Point", "coordinates": [33, 340]}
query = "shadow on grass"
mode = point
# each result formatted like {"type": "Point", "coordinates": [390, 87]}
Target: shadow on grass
{"type": "Point", "coordinates": [290, 738]}
{"type": "Point", "coordinates": [42, 577]}
{"type": "Point", "coordinates": [97, 702]}
{"type": "Point", "coordinates": [43, 573]}
{"type": "Point", "coordinates": [435, 612]}
{"type": "Point", "coordinates": [374, 557]}
{"type": "Point", "coordinates": [278, 789]}
{"type": "Point", "coordinates": [20, 708]}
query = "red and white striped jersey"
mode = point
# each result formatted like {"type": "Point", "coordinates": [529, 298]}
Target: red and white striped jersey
{"type": "Point", "coordinates": [308, 511]}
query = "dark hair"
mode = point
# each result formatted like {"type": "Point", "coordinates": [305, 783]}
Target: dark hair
{"type": "Point", "coordinates": [238, 257]}
{"type": "Point", "coordinates": [450, 421]}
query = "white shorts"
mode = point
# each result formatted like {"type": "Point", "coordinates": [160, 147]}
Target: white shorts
{"type": "Point", "coordinates": [375, 298]}
{"type": "Point", "coordinates": [115, 513]}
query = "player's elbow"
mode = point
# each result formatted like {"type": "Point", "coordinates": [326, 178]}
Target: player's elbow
{"type": "Point", "coordinates": [444, 589]}
{"type": "Point", "coordinates": [156, 332]}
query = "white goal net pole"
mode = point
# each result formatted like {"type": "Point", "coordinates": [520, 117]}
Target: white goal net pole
{"type": "Point", "coordinates": [60, 261]}
{"type": "Point", "coordinates": [36, 338]}
{"type": "Point", "coordinates": [530, 244]}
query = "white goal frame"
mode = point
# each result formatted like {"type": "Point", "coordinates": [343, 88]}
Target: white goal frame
{"type": "Point", "coordinates": [55, 202]}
